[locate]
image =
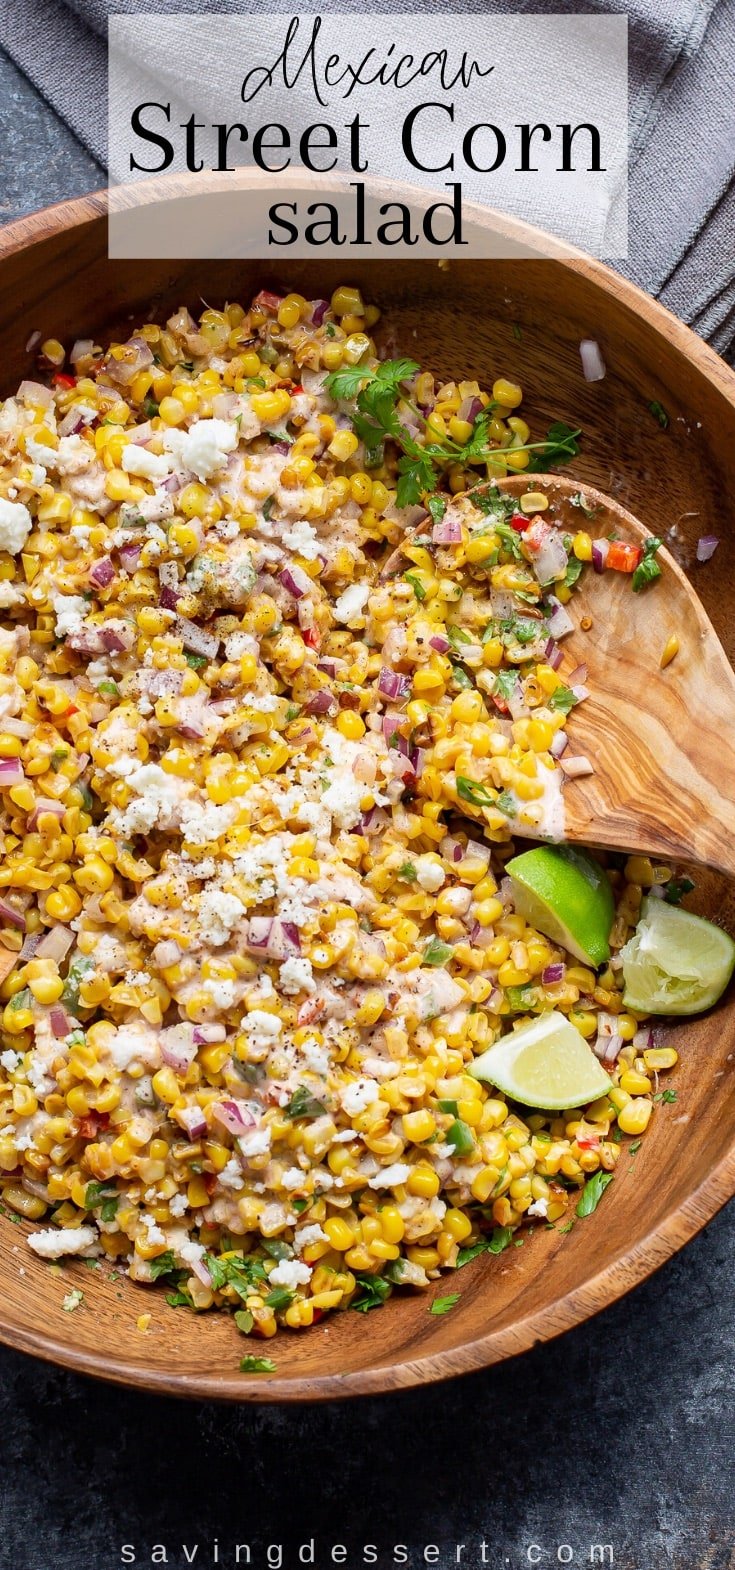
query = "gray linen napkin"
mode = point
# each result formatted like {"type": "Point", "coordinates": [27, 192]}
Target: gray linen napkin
{"type": "Point", "coordinates": [682, 122]}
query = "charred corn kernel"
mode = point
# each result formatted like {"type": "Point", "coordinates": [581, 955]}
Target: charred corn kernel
{"type": "Point", "coordinates": [670, 648]}
{"type": "Point", "coordinates": [639, 869]}
{"type": "Point", "coordinates": [658, 1059]}
{"type": "Point", "coordinates": [418, 1126]}
{"type": "Point", "coordinates": [423, 1181]}
{"type": "Point", "coordinates": [340, 1235]}
{"type": "Point", "coordinates": [350, 725]}
{"type": "Point", "coordinates": [635, 1117]}
{"type": "Point", "coordinates": [347, 302]}
{"type": "Point", "coordinates": [635, 1084]}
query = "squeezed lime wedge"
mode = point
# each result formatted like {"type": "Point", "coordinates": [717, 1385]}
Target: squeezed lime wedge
{"type": "Point", "coordinates": [567, 895]}
{"type": "Point", "coordinates": [675, 962]}
{"type": "Point", "coordinates": [545, 1063]}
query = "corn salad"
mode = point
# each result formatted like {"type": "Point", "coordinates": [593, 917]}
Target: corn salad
{"type": "Point", "coordinates": [257, 802]}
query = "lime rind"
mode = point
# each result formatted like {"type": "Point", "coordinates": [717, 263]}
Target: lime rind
{"type": "Point", "coordinates": [675, 962]}
{"type": "Point", "coordinates": [567, 895]}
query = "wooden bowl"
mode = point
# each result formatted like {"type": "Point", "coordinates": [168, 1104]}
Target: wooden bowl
{"type": "Point", "coordinates": [524, 318]}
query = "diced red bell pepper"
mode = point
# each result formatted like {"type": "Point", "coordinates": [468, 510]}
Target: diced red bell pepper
{"type": "Point", "coordinates": [519, 522]}
{"type": "Point", "coordinates": [62, 379]}
{"type": "Point", "coordinates": [312, 637]}
{"type": "Point", "coordinates": [268, 300]}
{"type": "Point", "coordinates": [210, 1181]}
{"type": "Point", "coordinates": [90, 1126]}
{"type": "Point", "coordinates": [621, 557]}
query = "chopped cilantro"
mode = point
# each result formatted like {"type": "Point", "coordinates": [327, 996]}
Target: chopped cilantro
{"type": "Point", "coordinates": [437, 507]}
{"type": "Point", "coordinates": [58, 757]}
{"type": "Point", "coordinates": [299, 1205]}
{"type": "Point", "coordinates": [634, 1148]}
{"type": "Point", "coordinates": [676, 888]}
{"type": "Point", "coordinates": [257, 1365]}
{"type": "Point", "coordinates": [408, 872]}
{"type": "Point", "coordinates": [150, 408]}
{"type": "Point", "coordinates": [303, 1105]}
{"type": "Point", "coordinates": [669, 1096]}
{"type": "Point", "coordinates": [268, 506]}
{"type": "Point", "coordinates": [163, 1265]}
{"type": "Point", "coordinates": [278, 1298]}
{"type": "Point", "coordinates": [574, 568]}
{"type": "Point", "coordinates": [244, 1320]}
{"type": "Point", "coordinates": [500, 1239]}
{"type": "Point", "coordinates": [109, 689]}
{"type": "Point", "coordinates": [648, 568]}
{"type": "Point", "coordinates": [180, 1298]}
{"type": "Point", "coordinates": [592, 1192]}
{"type": "Point", "coordinates": [659, 413]}
{"type": "Point", "coordinates": [562, 699]}
{"type": "Point", "coordinates": [443, 1305]}
{"type": "Point", "coordinates": [196, 661]}
{"type": "Point", "coordinates": [72, 1300]}
{"type": "Point", "coordinates": [373, 1291]}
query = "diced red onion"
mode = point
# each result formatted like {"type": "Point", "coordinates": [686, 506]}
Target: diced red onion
{"type": "Point", "coordinates": [199, 1269]}
{"type": "Point", "coordinates": [34, 339]}
{"type": "Point", "coordinates": [36, 392]}
{"type": "Point", "coordinates": [643, 1039]}
{"type": "Point", "coordinates": [391, 723]}
{"type": "Point", "coordinates": [203, 1034]}
{"type": "Point", "coordinates": [323, 702]}
{"type": "Point", "coordinates": [318, 312]}
{"type": "Point", "coordinates": [169, 598]}
{"type": "Point", "coordinates": [607, 1048]}
{"type": "Point", "coordinates": [559, 622]}
{"type": "Point", "coordinates": [447, 532]}
{"type": "Point", "coordinates": [233, 1116]}
{"type": "Point", "coordinates": [579, 674]}
{"type": "Point", "coordinates": [469, 409]}
{"type": "Point", "coordinates": [593, 365]}
{"type": "Point", "coordinates": [60, 1023]}
{"type": "Point", "coordinates": [102, 573]}
{"type": "Point", "coordinates": [129, 556]}
{"type": "Point", "coordinates": [72, 423]}
{"type": "Point", "coordinates": [553, 654]}
{"type": "Point", "coordinates": [55, 944]}
{"type": "Point", "coordinates": [706, 546]}
{"type": "Point", "coordinates": [178, 1050]}
{"type": "Point", "coordinates": [576, 768]}
{"type": "Point", "coordinates": [81, 349]}
{"type": "Point", "coordinates": [137, 357]}
{"type": "Point", "coordinates": [553, 974]}
{"type": "Point", "coordinates": [283, 447]}
{"type": "Point", "coordinates": [193, 1121]}
{"type": "Point", "coordinates": [11, 773]}
{"type": "Point", "coordinates": [195, 638]}
{"type": "Point", "coordinates": [559, 743]}
{"type": "Point", "coordinates": [172, 482]}
{"type": "Point", "coordinates": [517, 702]}
{"type": "Point", "coordinates": [296, 581]}
{"type": "Point", "coordinates": [600, 549]}
{"type": "Point", "coordinates": [391, 684]}
{"type": "Point", "coordinates": [168, 574]}
{"type": "Point", "coordinates": [30, 944]}
{"type": "Point", "coordinates": [440, 644]}
{"type": "Point", "coordinates": [15, 917]}
{"type": "Point", "coordinates": [291, 938]}
{"type": "Point", "coordinates": [328, 666]}
{"type": "Point", "coordinates": [475, 850]}
{"type": "Point", "coordinates": [550, 560]}
{"type": "Point", "coordinates": [580, 692]}
{"type": "Point", "coordinates": [113, 641]}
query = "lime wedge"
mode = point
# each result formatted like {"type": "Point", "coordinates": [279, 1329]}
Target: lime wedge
{"type": "Point", "coordinates": [546, 1063]}
{"type": "Point", "coordinates": [565, 894]}
{"type": "Point", "coordinates": [675, 962]}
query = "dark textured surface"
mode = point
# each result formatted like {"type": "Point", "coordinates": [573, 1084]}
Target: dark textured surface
{"type": "Point", "coordinates": [622, 1433]}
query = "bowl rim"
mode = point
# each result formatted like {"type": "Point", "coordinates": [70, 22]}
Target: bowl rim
{"type": "Point", "coordinates": [612, 1281]}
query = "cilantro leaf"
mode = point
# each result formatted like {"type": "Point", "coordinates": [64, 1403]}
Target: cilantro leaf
{"type": "Point", "coordinates": [408, 872]}
{"type": "Point", "coordinates": [416, 476]}
{"type": "Point", "coordinates": [304, 1105]}
{"type": "Point", "coordinates": [163, 1265]}
{"type": "Point", "coordinates": [244, 1321]}
{"type": "Point", "coordinates": [562, 699]}
{"type": "Point", "coordinates": [507, 803]}
{"type": "Point", "coordinates": [561, 443]}
{"type": "Point", "coordinates": [648, 568]}
{"type": "Point", "coordinates": [257, 1365]}
{"type": "Point", "coordinates": [443, 1305]}
{"type": "Point", "coordinates": [574, 568]}
{"type": "Point", "coordinates": [373, 1292]}
{"type": "Point", "coordinates": [437, 507]}
{"type": "Point", "coordinates": [500, 1239]}
{"type": "Point", "coordinates": [676, 888]}
{"type": "Point", "coordinates": [659, 413]}
{"type": "Point", "coordinates": [592, 1192]}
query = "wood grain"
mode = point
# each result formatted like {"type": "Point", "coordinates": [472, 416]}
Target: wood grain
{"type": "Point", "coordinates": [55, 277]}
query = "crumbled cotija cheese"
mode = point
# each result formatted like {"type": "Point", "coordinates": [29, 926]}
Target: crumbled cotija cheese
{"type": "Point", "coordinates": [15, 526]}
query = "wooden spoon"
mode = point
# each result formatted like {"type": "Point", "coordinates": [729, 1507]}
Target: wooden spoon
{"type": "Point", "coordinates": [662, 741]}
